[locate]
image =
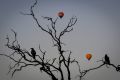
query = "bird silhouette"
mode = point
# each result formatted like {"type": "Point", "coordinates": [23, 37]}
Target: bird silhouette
{"type": "Point", "coordinates": [107, 60]}
{"type": "Point", "coordinates": [33, 52]}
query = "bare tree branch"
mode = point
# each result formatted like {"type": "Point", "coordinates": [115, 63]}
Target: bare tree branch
{"type": "Point", "coordinates": [69, 27]}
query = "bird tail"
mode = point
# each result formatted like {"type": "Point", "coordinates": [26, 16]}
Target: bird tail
{"type": "Point", "coordinates": [33, 57]}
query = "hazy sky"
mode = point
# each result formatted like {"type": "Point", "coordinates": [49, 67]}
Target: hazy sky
{"type": "Point", "coordinates": [97, 31]}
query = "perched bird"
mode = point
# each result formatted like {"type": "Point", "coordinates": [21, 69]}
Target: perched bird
{"type": "Point", "coordinates": [107, 60]}
{"type": "Point", "coordinates": [33, 52]}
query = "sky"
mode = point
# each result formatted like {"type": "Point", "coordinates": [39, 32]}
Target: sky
{"type": "Point", "coordinates": [97, 31]}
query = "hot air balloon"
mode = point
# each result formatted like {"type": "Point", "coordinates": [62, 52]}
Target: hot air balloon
{"type": "Point", "coordinates": [60, 14]}
{"type": "Point", "coordinates": [88, 56]}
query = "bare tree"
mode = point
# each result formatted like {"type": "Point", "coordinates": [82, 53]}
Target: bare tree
{"type": "Point", "coordinates": [49, 66]}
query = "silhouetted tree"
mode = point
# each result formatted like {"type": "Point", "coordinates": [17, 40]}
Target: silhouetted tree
{"type": "Point", "coordinates": [49, 66]}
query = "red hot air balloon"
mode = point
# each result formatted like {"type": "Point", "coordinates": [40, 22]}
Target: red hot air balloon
{"type": "Point", "coordinates": [60, 14]}
{"type": "Point", "coordinates": [88, 56]}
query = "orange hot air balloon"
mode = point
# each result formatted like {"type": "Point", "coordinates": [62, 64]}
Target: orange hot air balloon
{"type": "Point", "coordinates": [60, 14]}
{"type": "Point", "coordinates": [88, 56]}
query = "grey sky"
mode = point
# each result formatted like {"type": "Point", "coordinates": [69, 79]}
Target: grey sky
{"type": "Point", "coordinates": [97, 31]}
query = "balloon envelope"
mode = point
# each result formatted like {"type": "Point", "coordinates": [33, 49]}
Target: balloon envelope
{"type": "Point", "coordinates": [60, 14]}
{"type": "Point", "coordinates": [88, 56]}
